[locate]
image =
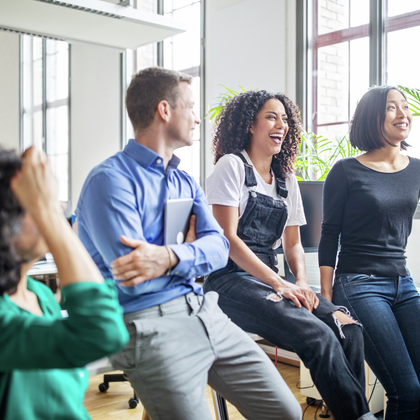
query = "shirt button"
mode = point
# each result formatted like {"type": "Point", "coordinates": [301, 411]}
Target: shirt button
{"type": "Point", "coordinates": [159, 161]}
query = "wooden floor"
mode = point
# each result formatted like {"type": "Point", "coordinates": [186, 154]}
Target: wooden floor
{"type": "Point", "coordinates": [114, 403]}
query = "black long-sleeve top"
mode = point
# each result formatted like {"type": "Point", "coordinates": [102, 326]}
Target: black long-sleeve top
{"type": "Point", "coordinates": [371, 213]}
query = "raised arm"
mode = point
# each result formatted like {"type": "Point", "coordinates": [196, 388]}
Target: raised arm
{"type": "Point", "coordinates": [94, 327]}
{"type": "Point", "coordinates": [35, 186]}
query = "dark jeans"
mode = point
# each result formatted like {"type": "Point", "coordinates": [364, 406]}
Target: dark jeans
{"type": "Point", "coordinates": [335, 363]}
{"type": "Point", "coordinates": [389, 309]}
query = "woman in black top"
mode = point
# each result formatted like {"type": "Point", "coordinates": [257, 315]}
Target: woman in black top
{"type": "Point", "coordinates": [369, 203]}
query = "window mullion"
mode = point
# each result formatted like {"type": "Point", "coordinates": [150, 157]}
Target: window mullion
{"type": "Point", "coordinates": [159, 45]}
{"type": "Point", "coordinates": [44, 95]}
{"type": "Point", "coordinates": [377, 42]}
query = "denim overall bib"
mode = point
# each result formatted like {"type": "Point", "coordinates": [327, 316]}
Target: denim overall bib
{"type": "Point", "coordinates": [263, 220]}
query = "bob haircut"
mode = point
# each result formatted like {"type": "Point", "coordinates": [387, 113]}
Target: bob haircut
{"type": "Point", "coordinates": [367, 125]}
{"type": "Point", "coordinates": [233, 134]}
{"type": "Point", "coordinates": [11, 214]}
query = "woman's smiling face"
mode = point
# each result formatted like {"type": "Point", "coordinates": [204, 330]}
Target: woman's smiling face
{"type": "Point", "coordinates": [270, 127]}
{"type": "Point", "coordinates": [398, 118]}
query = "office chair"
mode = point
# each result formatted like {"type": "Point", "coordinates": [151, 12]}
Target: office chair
{"type": "Point", "coordinates": [118, 377]}
{"type": "Point", "coordinates": [219, 402]}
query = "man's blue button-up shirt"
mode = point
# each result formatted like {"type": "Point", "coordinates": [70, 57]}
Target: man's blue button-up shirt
{"type": "Point", "coordinates": [125, 195]}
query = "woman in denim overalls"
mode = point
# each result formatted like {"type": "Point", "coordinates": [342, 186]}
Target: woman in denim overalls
{"type": "Point", "coordinates": [256, 200]}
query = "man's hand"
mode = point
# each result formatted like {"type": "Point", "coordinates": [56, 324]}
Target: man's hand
{"type": "Point", "coordinates": [298, 295]}
{"type": "Point", "coordinates": [145, 262]}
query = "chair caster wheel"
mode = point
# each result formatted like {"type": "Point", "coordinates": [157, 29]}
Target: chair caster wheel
{"type": "Point", "coordinates": [103, 387]}
{"type": "Point", "coordinates": [132, 402]}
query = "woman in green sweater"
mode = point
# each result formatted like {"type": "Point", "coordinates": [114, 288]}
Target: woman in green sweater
{"type": "Point", "coordinates": [42, 352]}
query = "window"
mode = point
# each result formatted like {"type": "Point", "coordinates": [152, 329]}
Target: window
{"type": "Point", "coordinates": [45, 103]}
{"type": "Point", "coordinates": [354, 44]}
{"type": "Point", "coordinates": [182, 53]}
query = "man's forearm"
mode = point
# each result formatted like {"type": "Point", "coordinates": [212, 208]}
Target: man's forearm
{"type": "Point", "coordinates": [203, 256]}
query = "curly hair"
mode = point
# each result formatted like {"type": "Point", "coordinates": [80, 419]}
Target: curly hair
{"type": "Point", "coordinates": [10, 222]}
{"type": "Point", "coordinates": [232, 132]}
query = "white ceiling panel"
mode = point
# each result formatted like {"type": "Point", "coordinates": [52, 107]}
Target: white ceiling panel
{"type": "Point", "coordinates": [93, 21]}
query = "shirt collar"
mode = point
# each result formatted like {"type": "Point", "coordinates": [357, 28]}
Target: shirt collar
{"type": "Point", "coordinates": [146, 157]}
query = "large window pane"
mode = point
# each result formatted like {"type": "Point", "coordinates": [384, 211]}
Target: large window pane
{"type": "Point", "coordinates": [403, 62]}
{"type": "Point", "coordinates": [45, 80]}
{"type": "Point", "coordinates": [145, 56]}
{"type": "Point", "coordinates": [399, 7]}
{"type": "Point", "coordinates": [183, 51]}
{"type": "Point", "coordinates": [57, 130]}
{"type": "Point", "coordinates": [333, 79]}
{"type": "Point", "coordinates": [59, 165]}
{"type": "Point", "coordinates": [196, 92]}
{"type": "Point", "coordinates": [190, 159]}
{"type": "Point", "coordinates": [147, 6]}
{"type": "Point", "coordinates": [38, 62]}
{"type": "Point", "coordinates": [359, 71]}
{"type": "Point", "coordinates": [171, 5]}
{"type": "Point", "coordinates": [57, 70]}
{"type": "Point", "coordinates": [359, 12]}
{"type": "Point", "coordinates": [333, 132]}
{"type": "Point", "coordinates": [405, 72]}
{"type": "Point", "coordinates": [333, 15]}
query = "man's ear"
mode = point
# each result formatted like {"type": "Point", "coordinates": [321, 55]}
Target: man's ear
{"type": "Point", "coordinates": [164, 110]}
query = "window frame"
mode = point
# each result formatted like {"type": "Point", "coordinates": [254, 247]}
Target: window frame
{"type": "Point", "coordinates": [45, 105]}
{"type": "Point", "coordinates": [308, 42]}
{"type": "Point", "coordinates": [195, 71]}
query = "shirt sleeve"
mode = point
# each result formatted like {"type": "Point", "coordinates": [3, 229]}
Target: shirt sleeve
{"type": "Point", "coordinates": [294, 203]}
{"type": "Point", "coordinates": [210, 251]}
{"type": "Point", "coordinates": [91, 331]}
{"type": "Point", "coordinates": [334, 200]}
{"type": "Point", "coordinates": [109, 210]}
{"type": "Point", "coordinates": [224, 185]}
{"type": "Point", "coordinates": [120, 215]}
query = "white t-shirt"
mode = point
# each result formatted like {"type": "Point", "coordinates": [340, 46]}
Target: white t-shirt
{"type": "Point", "coordinates": [226, 187]}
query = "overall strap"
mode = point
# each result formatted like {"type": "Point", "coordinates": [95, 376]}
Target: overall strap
{"type": "Point", "coordinates": [250, 180]}
{"type": "Point", "coordinates": [281, 187]}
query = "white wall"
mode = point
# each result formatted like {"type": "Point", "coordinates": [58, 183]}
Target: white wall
{"type": "Point", "coordinates": [95, 110]}
{"type": "Point", "coordinates": [9, 90]}
{"type": "Point", "coordinates": [249, 43]}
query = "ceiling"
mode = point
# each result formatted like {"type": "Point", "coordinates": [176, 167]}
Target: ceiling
{"type": "Point", "coordinates": [93, 21]}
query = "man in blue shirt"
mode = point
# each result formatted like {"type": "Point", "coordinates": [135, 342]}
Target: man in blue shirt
{"type": "Point", "coordinates": [179, 339]}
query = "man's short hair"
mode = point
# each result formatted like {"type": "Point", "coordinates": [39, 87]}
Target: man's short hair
{"type": "Point", "coordinates": [147, 88]}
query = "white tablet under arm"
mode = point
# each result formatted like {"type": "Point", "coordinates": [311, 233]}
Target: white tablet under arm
{"type": "Point", "coordinates": [176, 220]}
